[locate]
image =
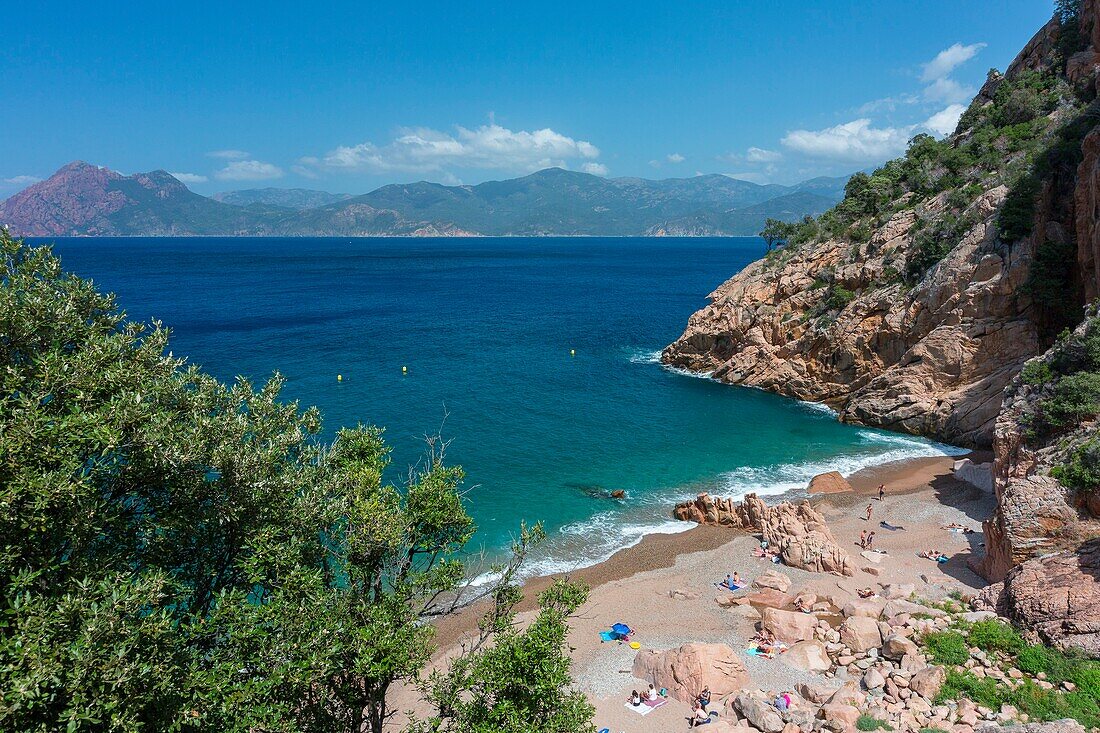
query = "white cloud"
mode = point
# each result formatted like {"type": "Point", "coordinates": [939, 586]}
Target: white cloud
{"type": "Point", "coordinates": [20, 180]}
{"type": "Point", "coordinates": [189, 177]}
{"type": "Point", "coordinates": [303, 171]}
{"type": "Point", "coordinates": [675, 158]}
{"type": "Point", "coordinates": [886, 104]}
{"type": "Point", "coordinates": [760, 155]}
{"type": "Point", "coordinates": [227, 154]}
{"type": "Point", "coordinates": [489, 146]}
{"type": "Point", "coordinates": [948, 60]}
{"type": "Point", "coordinates": [249, 170]}
{"type": "Point", "coordinates": [596, 169]}
{"type": "Point", "coordinates": [655, 163]}
{"type": "Point", "coordinates": [948, 91]}
{"type": "Point", "coordinates": [856, 141]}
{"type": "Point", "coordinates": [946, 120]}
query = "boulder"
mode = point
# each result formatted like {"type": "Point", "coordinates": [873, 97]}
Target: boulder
{"type": "Point", "coordinates": [845, 715]}
{"type": "Point", "coordinates": [899, 606]}
{"type": "Point", "coordinates": [846, 694]}
{"type": "Point", "coordinates": [817, 694]}
{"type": "Point", "coordinates": [789, 626]}
{"type": "Point", "coordinates": [873, 679]}
{"type": "Point", "coordinates": [928, 681]}
{"type": "Point", "coordinates": [893, 591]}
{"type": "Point", "coordinates": [867, 607]}
{"type": "Point", "coordinates": [682, 594]}
{"type": "Point", "coordinates": [860, 633]}
{"type": "Point", "coordinates": [769, 597]}
{"type": "Point", "coordinates": [686, 670]}
{"type": "Point", "coordinates": [1066, 725]}
{"type": "Point", "coordinates": [807, 655]}
{"type": "Point", "coordinates": [759, 711]}
{"type": "Point", "coordinates": [829, 483]}
{"type": "Point", "coordinates": [896, 646]}
{"type": "Point", "coordinates": [772, 579]}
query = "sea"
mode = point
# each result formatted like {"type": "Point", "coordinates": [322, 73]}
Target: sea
{"type": "Point", "coordinates": [536, 358]}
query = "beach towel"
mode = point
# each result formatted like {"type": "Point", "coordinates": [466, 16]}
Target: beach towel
{"type": "Point", "coordinates": [655, 703]}
{"type": "Point", "coordinates": [641, 709]}
{"type": "Point", "coordinates": [730, 587]}
{"type": "Point", "coordinates": [754, 652]}
{"type": "Point", "coordinates": [608, 636]}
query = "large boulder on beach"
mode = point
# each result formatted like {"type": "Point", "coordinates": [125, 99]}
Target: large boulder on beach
{"type": "Point", "coordinates": [829, 483]}
{"type": "Point", "coordinates": [860, 633]}
{"type": "Point", "coordinates": [772, 579]}
{"type": "Point", "coordinates": [789, 626]}
{"type": "Point", "coordinates": [867, 607]}
{"type": "Point", "coordinates": [807, 655]}
{"type": "Point", "coordinates": [927, 682]}
{"type": "Point", "coordinates": [759, 711]}
{"type": "Point", "coordinates": [686, 670]}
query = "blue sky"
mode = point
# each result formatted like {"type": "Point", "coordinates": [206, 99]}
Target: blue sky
{"type": "Point", "coordinates": [348, 96]}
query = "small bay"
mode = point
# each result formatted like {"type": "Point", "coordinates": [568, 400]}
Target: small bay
{"type": "Point", "coordinates": [541, 353]}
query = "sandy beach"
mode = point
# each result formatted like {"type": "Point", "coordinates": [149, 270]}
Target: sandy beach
{"type": "Point", "coordinates": [664, 587]}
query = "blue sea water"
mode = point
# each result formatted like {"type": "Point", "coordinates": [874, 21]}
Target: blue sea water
{"type": "Point", "coordinates": [486, 328]}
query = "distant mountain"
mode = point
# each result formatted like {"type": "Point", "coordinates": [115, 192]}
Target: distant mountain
{"type": "Point", "coordinates": [286, 198]}
{"type": "Point", "coordinates": [82, 199]}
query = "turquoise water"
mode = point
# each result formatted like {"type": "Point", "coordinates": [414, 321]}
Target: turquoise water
{"type": "Point", "coordinates": [485, 327]}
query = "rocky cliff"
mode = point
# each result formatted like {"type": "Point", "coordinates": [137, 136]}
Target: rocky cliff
{"type": "Point", "coordinates": [916, 302]}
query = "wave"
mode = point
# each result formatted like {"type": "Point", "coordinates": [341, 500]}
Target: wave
{"type": "Point", "coordinates": [587, 543]}
{"type": "Point", "coordinates": [644, 356]}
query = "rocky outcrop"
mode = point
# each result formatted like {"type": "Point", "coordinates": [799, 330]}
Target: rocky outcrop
{"type": "Point", "coordinates": [1056, 596]}
{"type": "Point", "coordinates": [829, 483]}
{"type": "Point", "coordinates": [798, 532]}
{"type": "Point", "coordinates": [685, 671]}
{"type": "Point", "coordinates": [932, 360]}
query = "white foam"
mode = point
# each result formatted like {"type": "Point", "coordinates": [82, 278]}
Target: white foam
{"type": "Point", "coordinates": [818, 407]}
{"type": "Point", "coordinates": [688, 373]}
{"type": "Point", "coordinates": [643, 356]}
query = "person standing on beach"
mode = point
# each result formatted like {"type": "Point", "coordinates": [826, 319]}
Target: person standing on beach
{"type": "Point", "coordinates": [863, 540]}
{"type": "Point", "coordinates": [871, 541]}
{"type": "Point", "coordinates": [881, 492]}
{"type": "Point", "coordinates": [868, 517]}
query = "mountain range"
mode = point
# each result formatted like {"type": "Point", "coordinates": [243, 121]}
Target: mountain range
{"type": "Point", "coordinates": [81, 199]}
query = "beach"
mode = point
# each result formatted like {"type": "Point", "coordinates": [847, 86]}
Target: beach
{"type": "Point", "coordinates": [664, 586]}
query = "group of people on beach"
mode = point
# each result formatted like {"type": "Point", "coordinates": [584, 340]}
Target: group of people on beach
{"type": "Point", "coordinates": [866, 540]}
{"type": "Point", "coordinates": [699, 715]}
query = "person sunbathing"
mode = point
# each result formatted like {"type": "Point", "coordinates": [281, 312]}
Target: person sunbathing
{"type": "Point", "coordinates": [931, 554]}
{"type": "Point", "coordinates": [955, 526]}
{"type": "Point", "coordinates": [800, 606]}
{"type": "Point", "coordinates": [865, 592]}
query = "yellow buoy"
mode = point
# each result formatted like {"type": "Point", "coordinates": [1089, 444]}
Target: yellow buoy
{"type": "Point", "coordinates": [339, 377]}
{"type": "Point", "coordinates": [404, 370]}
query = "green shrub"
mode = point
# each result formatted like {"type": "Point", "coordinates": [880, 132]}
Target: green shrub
{"type": "Point", "coordinates": [837, 298]}
{"type": "Point", "coordinates": [868, 723]}
{"type": "Point", "coordinates": [982, 690]}
{"type": "Point", "coordinates": [946, 647]}
{"type": "Point", "coordinates": [1075, 397]}
{"type": "Point", "coordinates": [1036, 373]}
{"type": "Point", "coordinates": [993, 635]}
{"type": "Point", "coordinates": [1081, 469]}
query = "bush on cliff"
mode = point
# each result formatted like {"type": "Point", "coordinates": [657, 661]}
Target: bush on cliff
{"type": "Point", "coordinates": [178, 554]}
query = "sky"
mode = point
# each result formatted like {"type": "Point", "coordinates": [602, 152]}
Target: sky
{"type": "Point", "coordinates": [345, 97]}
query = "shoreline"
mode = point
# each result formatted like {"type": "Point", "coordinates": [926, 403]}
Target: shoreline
{"type": "Point", "coordinates": [661, 550]}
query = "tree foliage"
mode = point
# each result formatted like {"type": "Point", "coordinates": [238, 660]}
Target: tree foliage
{"type": "Point", "coordinates": [181, 555]}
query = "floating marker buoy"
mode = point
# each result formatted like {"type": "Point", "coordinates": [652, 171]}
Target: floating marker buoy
{"type": "Point", "coordinates": [572, 352]}
{"type": "Point", "coordinates": [339, 377]}
{"type": "Point", "coordinates": [404, 370]}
